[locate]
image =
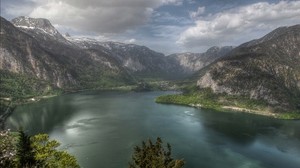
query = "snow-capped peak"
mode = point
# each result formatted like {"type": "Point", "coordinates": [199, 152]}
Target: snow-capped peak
{"type": "Point", "coordinates": [43, 25]}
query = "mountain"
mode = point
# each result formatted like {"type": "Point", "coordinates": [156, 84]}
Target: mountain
{"type": "Point", "coordinates": [139, 61]}
{"type": "Point", "coordinates": [193, 62]}
{"type": "Point", "coordinates": [266, 69]}
{"type": "Point", "coordinates": [35, 49]}
{"type": "Point", "coordinates": [37, 27]}
{"type": "Point", "coordinates": [38, 58]}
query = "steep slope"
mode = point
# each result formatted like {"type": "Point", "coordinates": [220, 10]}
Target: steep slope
{"type": "Point", "coordinates": [193, 62]}
{"type": "Point", "coordinates": [266, 69]}
{"type": "Point", "coordinates": [38, 28]}
{"type": "Point", "coordinates": [93, 67]}
{"type": "Point", "coordinates": [22, 54]}
{"type": "Point", "coordinates": [34, 48]}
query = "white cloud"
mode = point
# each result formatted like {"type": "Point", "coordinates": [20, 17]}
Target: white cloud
{"type": "Point", "coordinates": [102, 16]}
{"type": "Point", "coordinates": [96, 16]}
{"type": "Point", "coordinates": [199, 12]}
{"type": "Point", "coordinates": [130, 41]}
{"type": "Point", "coordinates": [173, 2]}
{"type": "Point", "coordinates": [240, 24]}
{"type": "Point", "coordinates": [191, 1]}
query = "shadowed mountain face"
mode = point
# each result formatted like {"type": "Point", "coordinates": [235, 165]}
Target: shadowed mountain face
{"type": "Point", "coordinates": [22, 54]}
{"type": "Point", "coordinates": [33, 47]}
{"type": "Point", "coordinates": [267, 68]}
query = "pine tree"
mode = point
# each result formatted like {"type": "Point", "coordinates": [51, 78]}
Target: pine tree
{"type": "Point", "coordinates": [25, 153]}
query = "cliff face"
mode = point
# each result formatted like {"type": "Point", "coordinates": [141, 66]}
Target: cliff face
{"type": "Point", "coordinates": [267, 68]}
{"type": "Point", "coordinates": [21, 53]}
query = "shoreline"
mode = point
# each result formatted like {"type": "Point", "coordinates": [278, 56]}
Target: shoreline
{"type": "Point", "coordinates": [231, 109]}
{"type": "Point", "coordinates": [212, 105]}
{"type": "Point", "coordinates": [12, 105]}
{"type": "Point", "coordinates": [9, 110]}
{"type": "Point", "coordinates": [34, 99]}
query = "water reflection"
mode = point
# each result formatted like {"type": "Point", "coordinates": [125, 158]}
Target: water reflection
{"type": "Point", "coordinates": [43, 116]}
{"type": "Point", "coordinates": [239, 127]}
{"type": "Point", "coordinates": [101, 128]}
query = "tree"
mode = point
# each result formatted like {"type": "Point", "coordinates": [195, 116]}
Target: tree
{"type": "Point", "coordinates": [21, 150]}
{"type": "Point", "coordinates": [154, 156]}
{"type": "Point", "coordinates": [47, 156]}
{"type": "Point", "coordinates": [25, 152]}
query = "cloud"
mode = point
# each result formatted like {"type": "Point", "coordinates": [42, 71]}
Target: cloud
{"type": "Point", "coordinates": [199, 12]}
{"type": "Point", "coordinates": [101, 16]}
{"type": "Point", "coordinates": [130, 41]}
{"type": "Point", "coordinates": [240, 24]}
{"type": "Point", "coordinates": [173, 2]}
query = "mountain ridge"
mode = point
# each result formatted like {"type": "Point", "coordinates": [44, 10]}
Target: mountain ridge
{"type": "Point", "coordinates": [266, 68]}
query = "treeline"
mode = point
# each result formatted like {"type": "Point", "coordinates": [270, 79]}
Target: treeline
{"type": "Point", "coordinates": [18, 86]}
{"type": "Point", "coordinates": [20, 150]}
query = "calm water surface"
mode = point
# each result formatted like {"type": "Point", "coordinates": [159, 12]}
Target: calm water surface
{"type": "Point", "coordinates": [101, 129]}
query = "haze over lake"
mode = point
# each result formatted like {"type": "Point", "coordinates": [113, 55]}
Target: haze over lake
{"type": "Point", "coordinates": [101, 128]}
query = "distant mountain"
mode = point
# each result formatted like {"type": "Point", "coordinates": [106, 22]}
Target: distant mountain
{"type": "Point", "coordinates": [139, 61]}
{"type": "Point", "coordinates": [193, 62]}
{"type": "Point", "coordinates": [264, 69]}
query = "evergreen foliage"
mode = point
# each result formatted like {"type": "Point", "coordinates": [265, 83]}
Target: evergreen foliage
{"type": "Point", "coordinates": [47, 155]}
{"type": "Point", "coordinates": [25, 151]}
{"type": "Point", "coordinates": [20, 86]}
{"type": "Point", "coordinates": [154, 155]}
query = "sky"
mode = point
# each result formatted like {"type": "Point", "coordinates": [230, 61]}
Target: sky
{"type": "Point", "coordinates": [167, 26]}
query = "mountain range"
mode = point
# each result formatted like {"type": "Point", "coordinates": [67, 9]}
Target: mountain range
{"type": "Point", "coordinates": [36, 58]}
{"type": "Point", "coordinates": [34, 49]}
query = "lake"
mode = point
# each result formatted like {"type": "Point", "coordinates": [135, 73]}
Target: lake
{"type": "Point", "coordinates": [102, 128]}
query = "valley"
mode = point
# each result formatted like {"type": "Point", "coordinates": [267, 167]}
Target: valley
{"type": "Point", "coordinates": [260, 76]}
{"type": "Point", "coordinates": [150, 83]}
